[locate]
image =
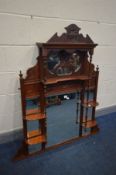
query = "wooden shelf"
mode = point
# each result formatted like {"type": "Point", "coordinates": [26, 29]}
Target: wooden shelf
{"type": "Point", "coordinates": [33, 133]}
{"type": "Point", "coordinates": [37, 116]}
{"type": "Point", "coordinates": [66, 89]}
{"type": "Point", "coordinates": [90, 103]}
{"type": "Point", "coordinates": [62, 79]}
{"type": "Point", "coordinates": [32, 111]}
{"type": "Point", "coordinates": [62, 89]}
{"type": "Point", "coordinates": [67, 45]}
{"type": "Point", "coordinates": [36, 140]}
{"type": "Point", "coordinates": [90, 124]}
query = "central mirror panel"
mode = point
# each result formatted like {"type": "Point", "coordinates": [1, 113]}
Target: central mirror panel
{"type": "Point", "coordinates": [61, 119]}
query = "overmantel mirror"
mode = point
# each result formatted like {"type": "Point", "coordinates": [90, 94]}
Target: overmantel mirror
{"type": "Point", "coordinates": [59, 93]}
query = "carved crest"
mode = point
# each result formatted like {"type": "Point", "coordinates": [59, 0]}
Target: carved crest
{"type": "Point", "coordinates": [72, 35]}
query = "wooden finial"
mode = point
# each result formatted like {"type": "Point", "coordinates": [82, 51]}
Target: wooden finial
{"type": "Point", "coordinates": [21, 75]}
{"type": "Point", "coordinates": [97, 68]}
{"type": "Point", "coordinates": [91, 54]}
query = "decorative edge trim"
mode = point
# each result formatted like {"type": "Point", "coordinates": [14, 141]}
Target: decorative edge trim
{"type": "Point", "coordinates": [17, 134]}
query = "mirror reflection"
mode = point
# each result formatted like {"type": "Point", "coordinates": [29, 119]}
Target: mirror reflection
{"type": "Point", "coordinates": [63, 63]}
{"type": "Point", "coordinates": [61, 118]}
{"type": "Point", "coordinates": [61, 121]}
{"type": "Point", "coordinates": [63, 113]}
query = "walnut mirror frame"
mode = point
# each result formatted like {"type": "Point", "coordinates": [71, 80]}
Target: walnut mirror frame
{"type": "Point", "coordinates": [64, 65]}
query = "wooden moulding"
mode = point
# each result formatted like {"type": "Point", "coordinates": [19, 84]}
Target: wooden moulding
{"type": "Point", "coordinates": [36, 140]}
{"type": "Point", "coordinates": [33, 133]}
{"type": "Point", "coordinates": [62, 79]}
{"type": "Point", "coordinates": [66, 88]}
{"type": "Point", "coordinates": [32, 111]}
{"type": "Point", "coordinates": [90, 103]}
{"type": "Point", "coordinates": [62, 89]}
{"type": "Point", "coordinates": [37, 116]}
{"type": "Point", "coordinates": [89, 124]}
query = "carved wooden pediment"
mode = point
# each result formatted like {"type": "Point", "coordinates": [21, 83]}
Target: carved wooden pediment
{"type": "Point", "coordinates": [72, 35]}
